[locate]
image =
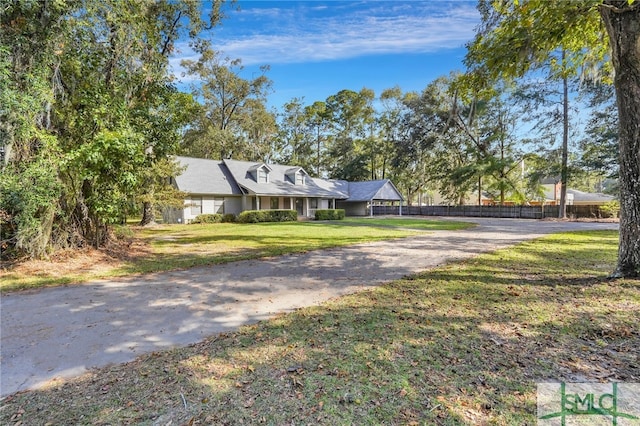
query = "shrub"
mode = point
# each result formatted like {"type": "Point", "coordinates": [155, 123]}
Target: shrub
{"type": "Point", "coordinates": [255, 216]}
{"type": "Point", "coordinates": [228, 218]}
{"type": "Point", "coordinates": [337, 214]}
{"type": "Point", "coordinates": [610, 209]}
{"type": "Point", "coordinates": [208, 218]}
{"type": "Point", "coordinates": [122, 232]}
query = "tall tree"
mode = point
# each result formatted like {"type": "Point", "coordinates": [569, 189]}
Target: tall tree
{"type": "Point", "coordinates": [31, 34]}
{"type": "Point", "coordinates": [349, 113]}
{"type": "Point", "coordinates": [599, 147]}
{"type": "Point", "coordinates": [390, 125]}
{"type": "Point", "coordinates": [317, 118]}
{"type": "Point", "coordinates": [228, 99]}
{"type": "Point", "coordinates": [90, 91]}
{"type": "Point", "coordinates": [518, 36]}
{"type": "Point", "coordinates": [298, 136]}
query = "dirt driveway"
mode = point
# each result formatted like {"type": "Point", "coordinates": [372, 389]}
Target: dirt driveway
{"type": "Point", "coordinates": [58, 333]}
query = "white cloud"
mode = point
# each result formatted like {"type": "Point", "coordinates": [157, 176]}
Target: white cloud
{"type": "Point", "coordinates": [406, 28]}
{"type": "Point", "coordinates": [276, 36]}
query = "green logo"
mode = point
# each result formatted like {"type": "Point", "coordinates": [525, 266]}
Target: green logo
{"type": "Point", "coordinates": [588, 399]}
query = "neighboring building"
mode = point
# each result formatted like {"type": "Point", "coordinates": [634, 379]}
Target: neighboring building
{"type": "Point", "coordinates": [231, 186]}
{"type": "Point", "coordinates": [552, 188]}
{"type": "Point", "coordinates": [580, 198]}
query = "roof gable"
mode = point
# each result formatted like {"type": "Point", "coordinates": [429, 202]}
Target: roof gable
{"type": "Point", "coordinates": [202, 176]}
{"type": "Point", "coordinates": [374, 190]}
{"type": "Point", "coordinates": [259, 166]}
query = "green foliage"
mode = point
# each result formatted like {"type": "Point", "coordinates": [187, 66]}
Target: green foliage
{"type": "Point", "coordinates": [298, 136]}
{"type": "Point", "coordinates": [208, 218]}
{"type": "Point", "coordinates": [88, 114]}
{"type": "Point", "coordinates": [330, 214]}
{"type": "Point", "coordinates": [123, 232]}
{"type": "Point", "coordinates": [228, 218]}
{"type": "Point", "coordinates": [28, 203]}
{"type": "Point", "coordinates": [351, 115]}
{"type": "Point", "coordinates": [233, 120]}
{"type": "Point", "coordinates": [516, 37]}
{"type": "Point", "coordinates": [256, 216]}
{"type": "Point", "coordinates": [610, 209]}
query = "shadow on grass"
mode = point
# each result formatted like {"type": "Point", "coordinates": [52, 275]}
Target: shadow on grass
{"type": "Point", "coordinates": [464, 344]}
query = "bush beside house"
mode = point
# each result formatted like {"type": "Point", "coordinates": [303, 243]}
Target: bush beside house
{"type": "Point", "coordinates": [337, 214]}
{"type": "Point", "coordinates": [207, 218]}
{"type": "Point", "coordinates": [255, 216]}
{"type": "Point", "coordinates": [214, 218]}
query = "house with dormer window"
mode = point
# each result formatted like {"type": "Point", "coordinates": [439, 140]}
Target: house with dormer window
{"type": "Point", "coordinates": [231, 186]}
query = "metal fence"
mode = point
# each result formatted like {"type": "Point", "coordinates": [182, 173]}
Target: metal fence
{"type": "Point", "coordinates": [517, 212]}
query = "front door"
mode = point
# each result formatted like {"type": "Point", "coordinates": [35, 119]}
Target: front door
{"type": "Point", "coordinates": [300, 206]}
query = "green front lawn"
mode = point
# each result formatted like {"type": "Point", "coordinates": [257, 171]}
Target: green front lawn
{"type": "Point", "coordinates": [408, 223]}
{"type": "Point", "coordinates": [169, 247]}
{"type": "Point", "coordinates": [464, 344]}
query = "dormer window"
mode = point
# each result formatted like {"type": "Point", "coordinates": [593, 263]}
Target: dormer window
{"type": "Point", "coordinates": [296, 176]}
{"type": "Point", "coordinates": [260, 173]}
{"type": "Point", "coordinates": [263, 176]}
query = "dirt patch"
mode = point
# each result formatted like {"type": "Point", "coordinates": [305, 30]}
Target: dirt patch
{"type": "Point", "coordinates": [81, 260]}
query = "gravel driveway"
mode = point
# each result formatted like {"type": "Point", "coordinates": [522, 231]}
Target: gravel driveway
{"type": "Point", "coordinates": [58, 333]}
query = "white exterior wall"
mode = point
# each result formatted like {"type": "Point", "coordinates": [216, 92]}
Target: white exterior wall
{"type": "Point", "coordinates": [187, 216]}
{"type": "Point", "coordinates": [233, 205]}
{"type": "Point", "coordinates": [230, 205]}
{"type": "Point", "coordinates": [207, 205]}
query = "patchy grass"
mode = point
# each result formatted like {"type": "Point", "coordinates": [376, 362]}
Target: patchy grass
{"type": "Point", "coordinates": [406, 223]}
{"type": "Point", "coordinates": [170, 247]}
{"type": "Point", "coordinates": [462, 344]}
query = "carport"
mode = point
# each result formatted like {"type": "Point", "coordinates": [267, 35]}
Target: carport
{"type": "Point", "coordinates": [363, 195]}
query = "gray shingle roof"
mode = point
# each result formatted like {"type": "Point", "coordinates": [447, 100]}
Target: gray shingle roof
{"type": "Point", "coordinates": [228, 177]}
{"type": "Point", "coordinates": [205, 177]}
{"type": "Point", "coordinates": [278, 184]}
{"type": "Point", "coordinates": [373, 190]}
{"type": "Point", "coordinates": [590, 196]}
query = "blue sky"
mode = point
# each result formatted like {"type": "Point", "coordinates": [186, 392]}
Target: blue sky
{"type": "Point", "coordinates": [317, 48]}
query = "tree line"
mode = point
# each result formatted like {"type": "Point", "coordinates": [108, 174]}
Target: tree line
{"type": "Point", "coordinates": [433, 141]}
{"type": "Point", "coordinates": [90, 115]}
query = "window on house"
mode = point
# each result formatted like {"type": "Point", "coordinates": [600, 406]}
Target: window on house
{"type": "Point", "coordinates": [275, 203]}
{"type": "Point", "coordinates": [313, 203]}
{"type": "Point", "coordinates": [196, 206]}
{"type": "Point", "coordinates": [299, 179]}
{"type": "Point", "coordinates": [331, 205]}
{"type": "Point", "coordinates": [218, 205]}
{"type": "Point", "coordinates": [263, 177]}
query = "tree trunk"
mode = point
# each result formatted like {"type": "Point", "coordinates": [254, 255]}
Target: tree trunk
{"type": "Point", "coordinates": [148, 214]}
{"type": "Point", "coordinates": [564, 175]}
{"type": "Point", "coordinates": [623, 27]}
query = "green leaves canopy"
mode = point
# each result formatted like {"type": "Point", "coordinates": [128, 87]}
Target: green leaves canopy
{"type": "Point", "coordinates": [518, 36]}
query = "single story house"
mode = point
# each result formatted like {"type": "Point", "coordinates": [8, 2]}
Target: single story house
{"type": "Point", "coordinates": [231, 186]}
{"type": "Point", "coordinates": [581, 198]}
{"type": "Point", "coordinates": [552, 188]}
